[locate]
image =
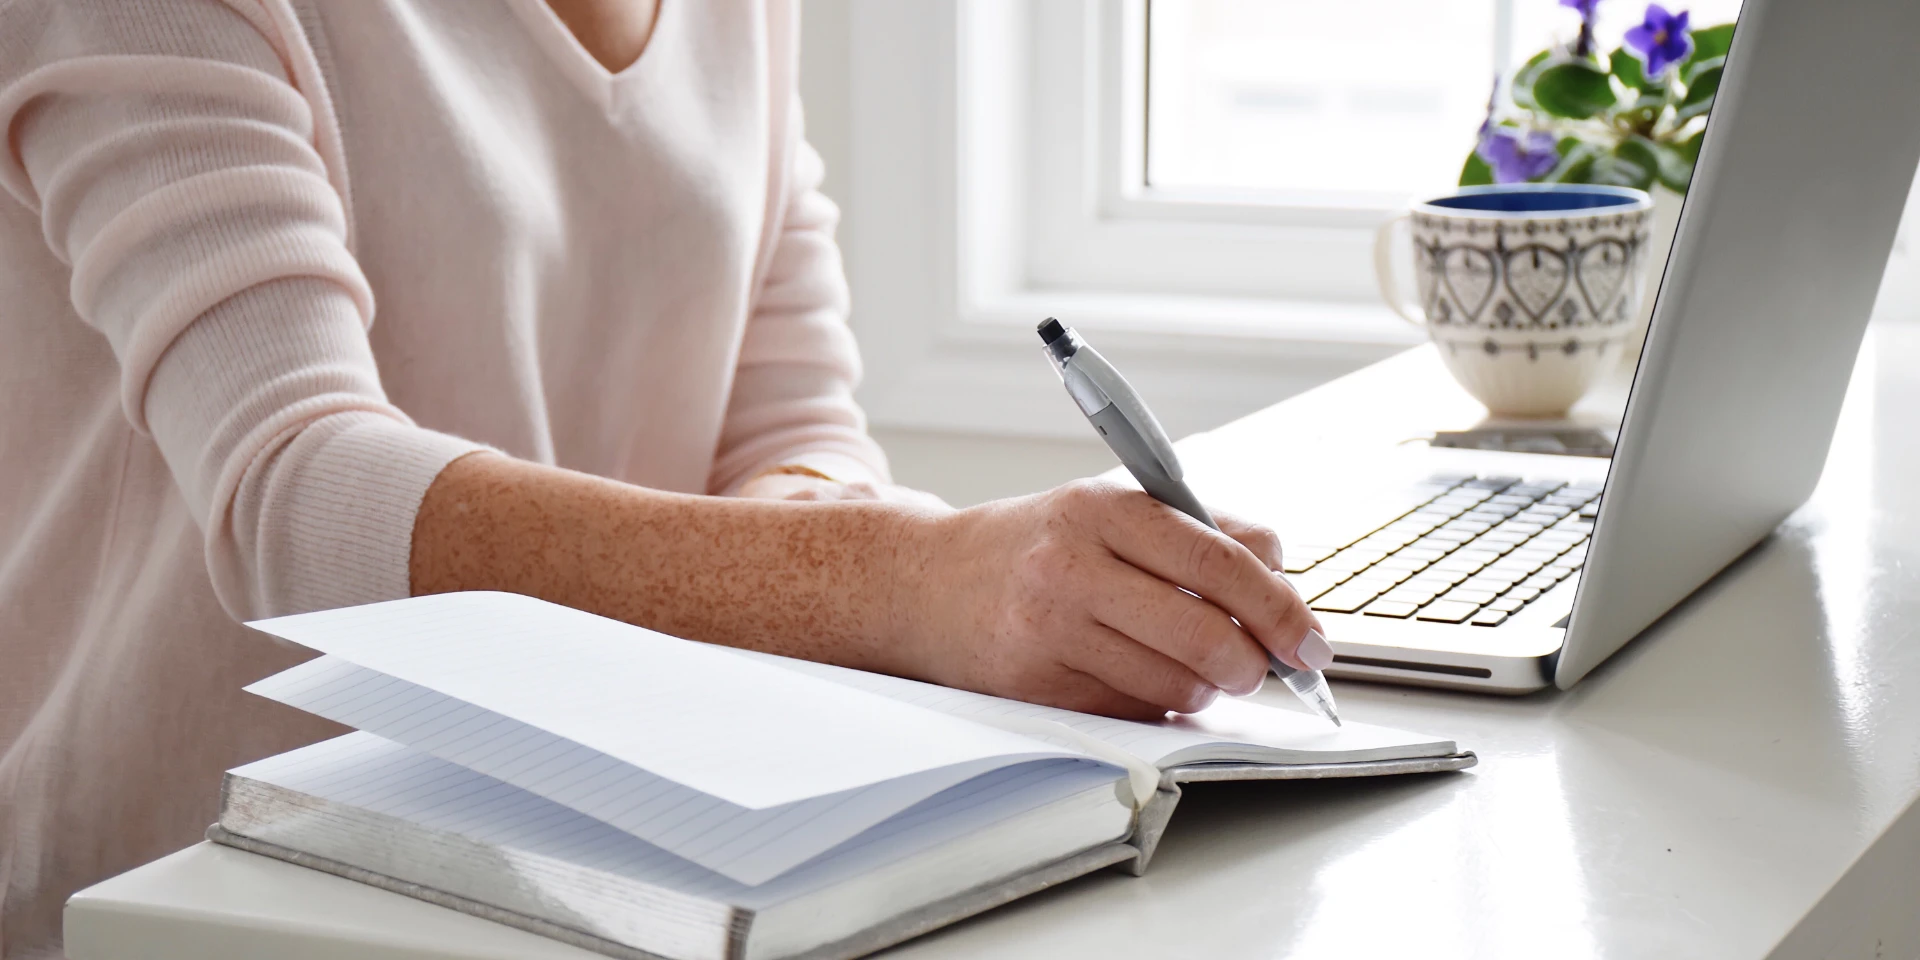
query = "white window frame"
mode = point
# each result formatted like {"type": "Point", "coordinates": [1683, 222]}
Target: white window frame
{"type": "Point", "coordinates": [990, 188]}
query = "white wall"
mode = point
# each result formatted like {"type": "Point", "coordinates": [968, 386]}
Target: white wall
{"type": "Point", "coordinates": [963, 469]}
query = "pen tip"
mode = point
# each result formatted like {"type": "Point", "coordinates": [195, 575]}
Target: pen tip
{"type": "Point", "coordinates": [1051, 330]}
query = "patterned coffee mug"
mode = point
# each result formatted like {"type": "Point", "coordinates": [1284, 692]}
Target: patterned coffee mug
{"type": "Point", "coordinates": [1528, 290]}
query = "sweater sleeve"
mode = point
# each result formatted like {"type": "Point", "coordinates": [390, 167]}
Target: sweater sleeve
{"type": "Point", "coordinates": [171, 162]}
{"type": "Point", "coordinates": [792, 400]}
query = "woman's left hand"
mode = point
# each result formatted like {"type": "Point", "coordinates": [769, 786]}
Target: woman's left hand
{"type": "Point", "coordinates": [795, 486]}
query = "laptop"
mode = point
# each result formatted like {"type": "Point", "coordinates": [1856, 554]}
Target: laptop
{"type": "Point", "coordinates": [1507, 572]}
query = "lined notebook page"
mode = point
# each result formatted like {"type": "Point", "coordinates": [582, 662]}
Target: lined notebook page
{"type": "Point", "coordinates": [741, 730]}
{"type": "Point", "coordinates": [1235, 730]}
{"type": "Point", "coordinates": [747, 845]}
{"type": "Point", "coordinates": [366, 771]}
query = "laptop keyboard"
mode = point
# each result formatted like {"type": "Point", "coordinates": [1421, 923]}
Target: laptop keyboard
{"type": "Point", "coordinates": [1476, 553]}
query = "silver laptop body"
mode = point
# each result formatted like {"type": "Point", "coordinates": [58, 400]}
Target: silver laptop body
{"type": "Point", "coordinates": [1809, 152]}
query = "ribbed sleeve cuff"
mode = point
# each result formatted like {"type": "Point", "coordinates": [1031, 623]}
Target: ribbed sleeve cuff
{"type": "Point", "coordinates": [346, 515]}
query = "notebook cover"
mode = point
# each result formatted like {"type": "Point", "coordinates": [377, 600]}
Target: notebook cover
{"type": "Point", "coordinates": [902, 927]}
{"type": "Point", "coordinates": [1134, 853]}
{"type": "Point", "coordinates": [1152, 823]}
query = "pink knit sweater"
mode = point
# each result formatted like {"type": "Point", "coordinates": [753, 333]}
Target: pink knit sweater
{"type": "Point", "coordinates": [201, 421]}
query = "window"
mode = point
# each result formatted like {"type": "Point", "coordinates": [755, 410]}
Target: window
{"type": "Point", "coordinates": [1239, 104]}
{"type": "Point", "coordinates": [1194, 182]}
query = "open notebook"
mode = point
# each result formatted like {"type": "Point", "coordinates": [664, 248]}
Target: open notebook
{"type": "Point", "coordinates": [645, 796]}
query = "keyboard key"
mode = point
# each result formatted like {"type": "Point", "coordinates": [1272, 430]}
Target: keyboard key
{"type": "Point", "coordinates": [1490, 483]}
{"type": "Point", "coordinates": [1495, 511]}
{"type": "Point", "coordinates": [1468, 526]}
{"type": "Point", "coordinates": [1589, 511]}
{"type": "Point", "coordinates": [1383, 575]}
{"type": "Point", "coordinates": [1414, 529]}
{"type": "Point", "coordinates": [1563, 569]}
{"type": "Point", "coordinates": [1482, 553]}
{"type": "Point", "coordinates": [1312, 583]}
{"type": "Point", "coordinates": [1518, 503]}
{"type": "Point", "coordinates": [1448, 611]}
{"type": "Point", "coordinates": [1450, 536]}
{"type": "Point", "coordinates": [1384, 542]}
{"type": "Point", "coordinates": [1489, 618]}
{"type": "Point", "coordinates": [1542, 582]}
{"type": "Point", "coordinates": [1534, 555]}
{"type": "Point", "coordinates": [1506, 604]}
{"type": "Point", "coordinates": [1459, 564]}
{"type": "Point", "coordinates": [1417, 552]}
{"type": "Point", "coordinates": [1449, 478]}
{"type": "Point", "coordinates": [1345, 565]}
{"type": "Point", "coordinates": [1346, 599]}
{"type": "Point", "coordinates": [1437, 575]}
{"type": "Point", "coordinates": [1560, 539]}
{"type": "Point", "coordinates": [1502, 534]}
{"type": "Point", "coordinates": [1523, 593]}
{"type": "Point", "coordinates": [1409, 593]}
{"type": "Point", "coordinates": [1491, 584]}
{"type": "Point", "coordinates": [1463, 595]}
{"type": "Point", "coordinates": [1391, 608]}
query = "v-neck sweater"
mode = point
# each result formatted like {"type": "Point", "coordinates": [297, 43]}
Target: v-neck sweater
{"type": "Point", "coordinates": [266, 267]}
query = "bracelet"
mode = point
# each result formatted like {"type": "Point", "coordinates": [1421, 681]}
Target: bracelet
{"type": "Point", "coordinates": [793, 470]}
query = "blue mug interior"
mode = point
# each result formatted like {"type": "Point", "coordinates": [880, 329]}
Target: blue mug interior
{"type": "Point", "coordinates": [1534, 201]}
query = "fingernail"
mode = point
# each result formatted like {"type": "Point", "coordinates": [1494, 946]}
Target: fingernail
{"type": "Point", "coordinates": [1314, 651]}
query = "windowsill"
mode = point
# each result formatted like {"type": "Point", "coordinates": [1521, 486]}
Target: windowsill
{"type": "Point", "coordinates": [1208, 326]}
{"type": "Point", "coordinates": [1199, 361]}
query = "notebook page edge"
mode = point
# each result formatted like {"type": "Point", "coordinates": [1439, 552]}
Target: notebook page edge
{"type": "Point", "coordinates": [747, 845]}
{"type": "Point", "coordinates": [724, 705]}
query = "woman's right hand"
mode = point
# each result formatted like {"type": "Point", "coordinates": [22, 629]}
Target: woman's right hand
{"type": "Point", "coordinates": [1096, 597]}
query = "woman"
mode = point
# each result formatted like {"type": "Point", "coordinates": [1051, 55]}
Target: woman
{"type": "Point", "coordinates": [610, 361]}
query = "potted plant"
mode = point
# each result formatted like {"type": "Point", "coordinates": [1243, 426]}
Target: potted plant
{"type": "Point", "coordinates": [1633, 117]}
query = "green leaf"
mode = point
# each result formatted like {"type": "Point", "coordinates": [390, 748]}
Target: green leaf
{"type": "Point", "coordinates": [1628, 69]}
{"type": "Point", "coordinates": [1574, 89]}
{"type": "Point", "coordinates": [1689, 149]}
{"type": "Point", "coordinates": [1700, 91]}
{"type": "Point", "coordinates": [1576, 164]}
{"type": "Point", "coordinates": [1475, 173]}
{"type": "Point", "coordinates": [1521, 89]}
{"type": "Point", "coordinates": [1693, 68]}
{"type": "Point", "coordinates": [1670, 166]}
{"type": "Point", "coordinates": [1709, 43]}
{"type": "Point", "coordinates": [1618, 171]}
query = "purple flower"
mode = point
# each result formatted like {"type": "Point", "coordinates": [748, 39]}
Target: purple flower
{"type": "Point", "coordinates": [1661, 41]}
{"type": "Point", "coordinates": [1584, 45]}
{"type": "Point", "coordinates": [1517, 157]}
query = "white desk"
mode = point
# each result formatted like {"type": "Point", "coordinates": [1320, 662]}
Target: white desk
{"type": "Point", "coordinates": [1740, 782]}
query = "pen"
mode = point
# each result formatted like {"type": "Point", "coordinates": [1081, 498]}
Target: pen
{"type": "Point", "coordinates": [1123, 420]}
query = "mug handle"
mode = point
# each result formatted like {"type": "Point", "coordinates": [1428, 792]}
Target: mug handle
{"type": "Point", "coordinates": [1383, 271]}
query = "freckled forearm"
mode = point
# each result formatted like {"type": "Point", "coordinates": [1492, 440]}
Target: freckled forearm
{"type": "Point", "coordinates": [825, 581]}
